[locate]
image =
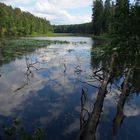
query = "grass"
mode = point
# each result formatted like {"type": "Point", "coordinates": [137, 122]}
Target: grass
{"type": "Point", "coordinates": [51, 34]}
{"type": "Point", "coordinates": [16, 47]}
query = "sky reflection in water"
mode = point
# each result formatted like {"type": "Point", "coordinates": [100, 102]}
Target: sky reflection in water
{"type": "Point", "coordinates": [50, 96]}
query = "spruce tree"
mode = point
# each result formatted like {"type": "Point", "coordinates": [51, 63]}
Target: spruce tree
{"type": "Point", "coordinates": [97, 17]}
{"type": "Point", "coordinates": [122, 17]}
{"type": "Point", "coordinates": [107, 17]}
{"type": "Point", "coordinates": [121, 24]}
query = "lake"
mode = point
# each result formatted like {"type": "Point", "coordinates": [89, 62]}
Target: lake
{"type": "Point", "coordinates": [43, 88]}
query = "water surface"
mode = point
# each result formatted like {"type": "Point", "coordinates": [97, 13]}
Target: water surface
{"type": "Point", "coordinates": [44, 89]}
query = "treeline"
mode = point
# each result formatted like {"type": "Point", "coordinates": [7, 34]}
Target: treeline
{"type": "Point", "coordinates": [120, 19]}
{"type": "Point", "coordinates": [85, 28]}
{"type": "Point", "coordinates": [103, 16]}
{"type": "Point", "coordinates": [109, 17]}
{"type": "Point", "coordinates": [115, 16]}
{"type": "Point", "coordinates": [14, 22]}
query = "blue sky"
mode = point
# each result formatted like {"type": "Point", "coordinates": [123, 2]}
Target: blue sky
{"type": "Point", "coordinates": [56, 11]}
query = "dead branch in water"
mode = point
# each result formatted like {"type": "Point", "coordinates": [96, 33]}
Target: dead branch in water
{"type": "Point", "coordinates": [29, 66]}
{"type": "Point", "coordinates": [89, 131]}
{"type": "Point", "coordinates": [84, 111]}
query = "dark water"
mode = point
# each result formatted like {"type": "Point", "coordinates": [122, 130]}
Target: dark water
{"type": "Point", "coordinates": [44, 89]}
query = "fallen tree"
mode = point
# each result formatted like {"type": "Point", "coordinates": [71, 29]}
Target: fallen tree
{"type": "Point", "coordinates": [88, 131]}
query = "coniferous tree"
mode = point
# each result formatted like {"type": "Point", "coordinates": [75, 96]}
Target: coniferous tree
{"type": "Point", "coordinates": [121, 17]}
{"type": "Point", "coordinates": [97, 17]}
{"type": "Point", "coordinates": [107, 17]}
{"type": "Point", "coordinates": [112, 19]}
{"type": "Point", "coordinates": [135, 28]}
{"type": "Point", "coordinates": [121, 24]}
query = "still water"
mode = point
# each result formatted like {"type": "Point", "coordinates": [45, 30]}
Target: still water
{"type": "Point", "coordinates": [43, 89]}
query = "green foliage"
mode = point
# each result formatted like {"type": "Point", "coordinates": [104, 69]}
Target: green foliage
{"type": "Point", "coordinates": [126, 28]}
{"type": "Point", "coordinates": [102, 17]}
{"type": "Point", "coordinates": [14, 22]}
{"type": "Point", "coordinates": [108, 14]}
{"type": "Point", "coordinates": [121, 23]}
{"type": "Point", "coordinates": [16, 131]}
{"type": "Point", "coordinates": [97, 17]}
{"type": "Point", "coordinates": [120, 20]}
{"type": "Point", "coordinates": [85, 28]}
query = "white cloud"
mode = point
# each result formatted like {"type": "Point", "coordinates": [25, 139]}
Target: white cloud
{"type": "Point", "coordinates": [131, 110]}
{"type": "Point", "coordinates": [64, 4]}
{"type": "Point", "coordinates": [12, 2]}
{"type": "Point", "coordinates": [73, 127]}
{"type": "Point", "coordinates": [54, 10]}
{"type": "Point", "coordinates": [70, 4]}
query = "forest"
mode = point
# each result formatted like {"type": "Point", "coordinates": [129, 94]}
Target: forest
{"type": "Point", "coordinates": [14, 22]}
{"type": "Point", "coordinates": [85, 28]}
{"type": "Point", "coordinates": [121, 20]}
{"type": "Point", "coordinates": [108, 17]}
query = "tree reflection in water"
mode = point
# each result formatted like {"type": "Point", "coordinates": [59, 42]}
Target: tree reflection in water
{"type": "Point", "coordinates": [115, 66]}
